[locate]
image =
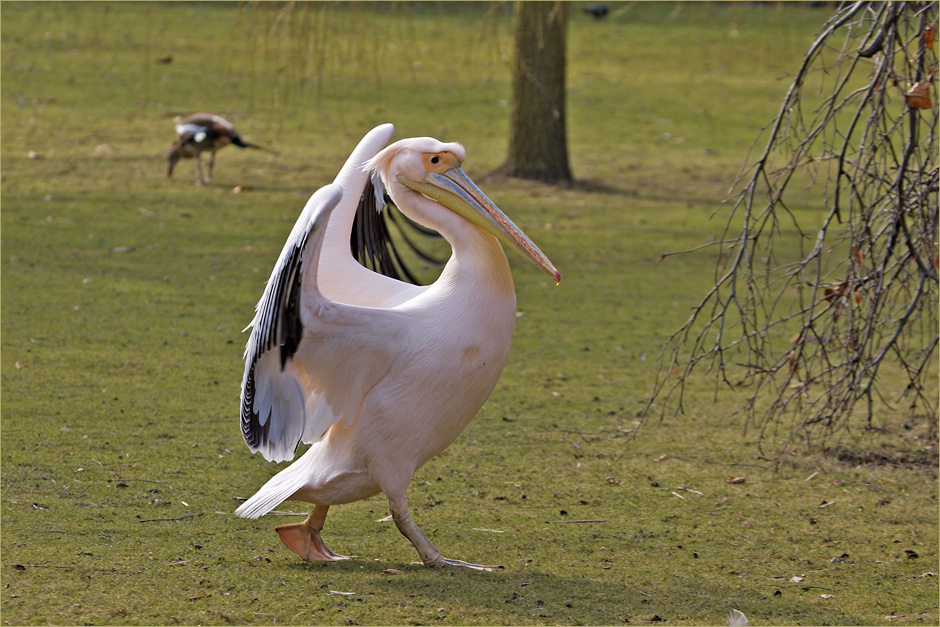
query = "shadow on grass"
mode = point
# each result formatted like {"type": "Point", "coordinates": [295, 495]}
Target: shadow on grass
{"type": "Point", "coordinates": [517, 597]}
{"type": "Point", "coordinates": [617, 594]}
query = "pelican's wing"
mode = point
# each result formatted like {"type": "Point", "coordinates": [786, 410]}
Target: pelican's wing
{"type": "Point", "coordinates": [362, 226]}
{"type": "Point", "coordinates": [371, 240]}
{"type": "Point", "coordinates": [310, 361]}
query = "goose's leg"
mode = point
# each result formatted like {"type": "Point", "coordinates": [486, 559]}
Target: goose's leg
{"type": "Point", "coordinates": [199, 181]}
{"type": "Point", "coordinates": [211, 166]}
{"type": "Point", "coordinates": [304, 539]}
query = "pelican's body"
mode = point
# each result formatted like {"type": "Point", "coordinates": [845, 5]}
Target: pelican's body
{"type": "Point", "coordinates": [378, 375]}
{"type": "Point", "coordinates": [198, 133]}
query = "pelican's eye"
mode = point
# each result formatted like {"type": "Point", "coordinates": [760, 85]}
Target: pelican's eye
{"type": "Point", "coordinates": [440, 162]}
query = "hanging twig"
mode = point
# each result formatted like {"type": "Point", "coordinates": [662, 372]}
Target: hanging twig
{"type": "Point", "coordinates": [819, 313]}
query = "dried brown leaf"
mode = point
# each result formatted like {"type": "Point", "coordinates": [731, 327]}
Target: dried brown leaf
{"type": "Point", "coordinates": [918, 96]}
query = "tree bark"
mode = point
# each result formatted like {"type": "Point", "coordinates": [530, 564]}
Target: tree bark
{"type": "Point", "coordinates": [538, 143]}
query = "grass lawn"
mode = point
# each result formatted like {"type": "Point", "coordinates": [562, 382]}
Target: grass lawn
{"type": "Point", "coordinates": [124, 296]}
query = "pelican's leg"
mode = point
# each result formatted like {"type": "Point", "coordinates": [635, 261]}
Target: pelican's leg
{"type": "Point", "coordinates": [304, 538]}
{"type": "Point", "coordinates": [429, 554]}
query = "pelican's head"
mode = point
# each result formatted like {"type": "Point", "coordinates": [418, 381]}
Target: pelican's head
{"type": "Point", "coordinates": [431, 168]}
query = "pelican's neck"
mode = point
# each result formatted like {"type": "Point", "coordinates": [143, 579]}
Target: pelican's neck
{"type": "Point", "coordinates": [478, 260]}
{"type": "Point", "coordinates": [478, 263]}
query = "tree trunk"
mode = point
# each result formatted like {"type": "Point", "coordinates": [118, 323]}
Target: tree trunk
{"type": "Point", "coordinates": [538, 143]}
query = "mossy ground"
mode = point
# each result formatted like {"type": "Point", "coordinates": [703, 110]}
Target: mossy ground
{"type": "Point", "coordinates": [124, 296]}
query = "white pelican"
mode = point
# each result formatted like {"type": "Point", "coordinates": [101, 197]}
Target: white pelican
{"type": "Point", "coordinates": [378, 375]}
{"type": "Point", "coordinates": [201, 132]}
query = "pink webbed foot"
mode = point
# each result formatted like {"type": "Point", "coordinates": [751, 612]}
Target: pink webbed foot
{"type": "Point", "coordinates": [306, 542]}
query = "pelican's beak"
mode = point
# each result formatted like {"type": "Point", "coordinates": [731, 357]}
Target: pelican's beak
{"type": "Point", "coordinates": [454, 189]}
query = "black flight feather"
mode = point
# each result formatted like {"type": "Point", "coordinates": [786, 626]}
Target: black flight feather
{"type": "Point", "coordinates": [371, 240]}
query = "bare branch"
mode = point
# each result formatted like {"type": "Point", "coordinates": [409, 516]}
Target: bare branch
{"type": "Point", "coordinates": [827, 281]}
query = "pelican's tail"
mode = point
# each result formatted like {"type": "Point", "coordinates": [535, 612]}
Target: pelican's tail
{"type": "Point", "coordinates": [277, 490]}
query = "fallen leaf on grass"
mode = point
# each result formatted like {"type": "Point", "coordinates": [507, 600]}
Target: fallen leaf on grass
{"type": "Point", "coordinates": [909, 616]}
{"type": "Point", "coordinates": [393, 571]}
{"type": "Point", "coordinates": [735, 479]}
{"type": "Point", "coordinates": [661, 458]}
{"type": "Point", "coordinates": [825, 596]}
{"type": "Point", "coordinates": [796, 579]}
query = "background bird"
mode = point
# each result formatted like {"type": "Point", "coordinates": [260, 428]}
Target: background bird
{"type": "Point", "coordinates": [598, 10]}
{"type": "Point", "coordinates": [378, 375]}
{"type": "Point", "coordinates": [202, 132]}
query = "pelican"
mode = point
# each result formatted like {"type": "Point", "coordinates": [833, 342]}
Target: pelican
{"type": "Point", "coordinates": [377, 375]}
{"type": "Point", "coordinates": [201, 132]}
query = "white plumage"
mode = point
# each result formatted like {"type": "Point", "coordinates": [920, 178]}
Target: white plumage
{"type": "Point", "coordinates": [378, 375]}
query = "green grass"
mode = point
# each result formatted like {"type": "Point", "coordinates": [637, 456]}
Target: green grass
{"type": "Point", "coordinates": [121, 455]}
